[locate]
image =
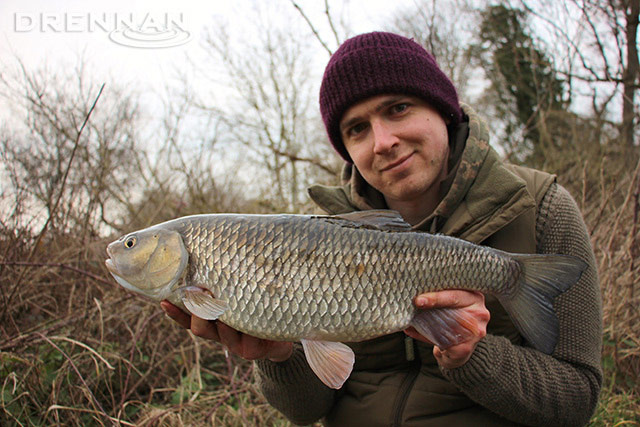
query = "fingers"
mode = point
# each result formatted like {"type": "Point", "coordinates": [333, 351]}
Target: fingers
{"type": "Point", "coordinates": [200, 327]}
{"type": "Point", "coordinates": [452, 357]}
{"type": "Point", "coordinates": [280, 351]}
{"type": "Point", "coordinates": [243, 345]}
{"type": "Point", "coordinates": [455, 356]}
{"type": "Point", "coordinates": [236, 342]}
{"type": "Point", "coordinates": [472, 314]}
{"type": "Point", "coordinates": [411, 331]}
{"type": "Point", "coordinates": [230, 338]}
{"type": "Point", "coordinates": [179, 316]}
{"type": "Point", "coordinates": [252, 348]}
{"type": "Point", "coordinates": [207, 329]}
{"type": "Point", "coordinates": [449, 299]}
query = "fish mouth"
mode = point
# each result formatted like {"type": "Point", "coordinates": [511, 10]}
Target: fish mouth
{"type": "Point", "coordinates": [111, 266]}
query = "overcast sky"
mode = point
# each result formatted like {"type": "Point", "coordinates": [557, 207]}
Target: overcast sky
{"type": "Point", "coordinates": [39, 31]}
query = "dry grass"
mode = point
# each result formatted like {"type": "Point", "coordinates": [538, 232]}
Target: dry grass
{"type": "Point", "coordinates": [76, 349]}
{"type": "Point", "coordinates": [608, 192]}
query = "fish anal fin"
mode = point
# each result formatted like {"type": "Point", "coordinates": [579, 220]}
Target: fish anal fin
{"type": "Point", "coordinates": [445, 327]}
{"type": "Point", "coordinates": [332, 362]}
{"type": "Point", "coordinates": [202, 303]}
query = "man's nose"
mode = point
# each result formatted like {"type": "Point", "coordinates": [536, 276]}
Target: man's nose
{"type": "Point", "coordinates": [384, 138]}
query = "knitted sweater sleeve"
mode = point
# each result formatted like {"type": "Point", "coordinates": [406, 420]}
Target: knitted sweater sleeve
{"type": "Point", "coordinates": [530, 387]}
{"type": "Point", "coordinates": [292, 388]}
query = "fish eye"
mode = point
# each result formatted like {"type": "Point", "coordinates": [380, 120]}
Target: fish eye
{"type": "Point", "coordinates": [130, 242]}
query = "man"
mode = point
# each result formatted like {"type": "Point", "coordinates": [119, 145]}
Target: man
{"type": "Point", "coordinates": [394, 117]}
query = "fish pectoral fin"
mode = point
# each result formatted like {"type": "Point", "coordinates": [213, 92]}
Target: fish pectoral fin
{"type": "Point", "coordinates": [331, 361]}
{"type": "Point", "coordinates": [445, 327]}
{"type": "Point", "coordinates": [202, 303]}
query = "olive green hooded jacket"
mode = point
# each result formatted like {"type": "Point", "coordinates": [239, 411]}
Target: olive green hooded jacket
{"type": "Point", "coordinates": [396, 380]}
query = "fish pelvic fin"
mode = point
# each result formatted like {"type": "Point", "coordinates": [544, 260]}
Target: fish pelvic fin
{"type": "Point", "coordinates": [530, 307]}
{"type": "Point", "coordinates": [445, 327]}
{"type": "Point", "coordinates": [331, 361]}
{"type": "Point", "coordinates": [202, 303]}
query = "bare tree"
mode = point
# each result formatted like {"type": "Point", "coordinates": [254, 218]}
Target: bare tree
{"type": "Point", "coordinates": [271, 109]}
{"type": "Point", "coordinates": [185, 173]}
{"type": "Point", "coordinates": [335, 22]}
{"type": "Point", "coordinates": [438, 29]}
{"type": "Point", "coordinates": [602, 50]}
{"type": "Point", "coordinates": [48, 112]}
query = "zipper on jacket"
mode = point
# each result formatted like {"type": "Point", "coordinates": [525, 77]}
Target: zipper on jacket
{"type": "Point", "coordinates": [409, 349]}
{"type": "Point", "coordinates": [406, 386]}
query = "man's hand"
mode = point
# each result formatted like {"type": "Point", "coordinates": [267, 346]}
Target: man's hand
{"type": "Point", "coordinates": [471, 302]}
{"type": "Point", "coordinates": [243, 345]}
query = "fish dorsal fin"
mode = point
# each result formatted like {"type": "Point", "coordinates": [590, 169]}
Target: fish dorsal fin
{"type": "Point", "coordinates": [331, 361]}
{"type": "Point", "coordinates": [200, 302]}
{"type": "Point", "coordinates": [377, 219]}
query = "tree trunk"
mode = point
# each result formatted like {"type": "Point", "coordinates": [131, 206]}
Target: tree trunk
{"type": "Point", "coordinates": [630, 79]}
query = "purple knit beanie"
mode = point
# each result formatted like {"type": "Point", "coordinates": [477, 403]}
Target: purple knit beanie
{"type": "Point", "coordinates": [382, 63]}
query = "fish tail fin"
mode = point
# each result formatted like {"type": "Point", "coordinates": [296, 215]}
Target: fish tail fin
{"type": "Point", "coordinates": [530, 307]}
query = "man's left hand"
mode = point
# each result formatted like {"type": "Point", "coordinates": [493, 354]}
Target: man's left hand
{"type": "Point", "coordinates": [473, 304]}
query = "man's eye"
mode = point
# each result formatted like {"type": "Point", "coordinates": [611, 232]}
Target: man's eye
{"type": "Point", "coordinates": [399, 108]}
{"type": "Point", "coordinates": [356, 129]}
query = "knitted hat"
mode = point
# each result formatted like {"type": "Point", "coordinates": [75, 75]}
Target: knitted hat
{"type": "Point", "coordinates": [382, 63]}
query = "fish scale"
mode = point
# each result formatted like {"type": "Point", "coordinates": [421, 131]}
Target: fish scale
{"type": "Point", "coordinates": [275, 235]}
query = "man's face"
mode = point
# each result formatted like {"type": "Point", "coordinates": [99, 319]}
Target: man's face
{"type": "Point", "coordinates": [399, 144]}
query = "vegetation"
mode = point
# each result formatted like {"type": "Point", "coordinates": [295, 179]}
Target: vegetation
{"type": "Point", "coordinates": [76, 349]}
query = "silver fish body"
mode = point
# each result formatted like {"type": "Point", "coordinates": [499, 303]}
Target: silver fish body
{"type": "Point", "coordinates": [287, 277]}
{"type": "Point", "coordinates": [337, 278]}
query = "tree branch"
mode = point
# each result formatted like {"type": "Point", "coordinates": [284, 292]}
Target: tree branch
{"type": "Point", "coordinates": [313, 29]}
{"type": "Point", "coordinates": [17, 284]}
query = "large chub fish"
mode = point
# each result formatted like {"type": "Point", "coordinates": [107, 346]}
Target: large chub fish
{"type": "Point", "coordinates": [324, 280]}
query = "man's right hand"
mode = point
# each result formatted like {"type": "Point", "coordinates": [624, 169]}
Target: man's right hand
{"type": "Point", "coordinates": [238, 343]}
